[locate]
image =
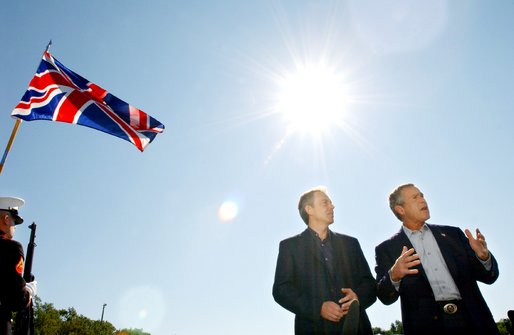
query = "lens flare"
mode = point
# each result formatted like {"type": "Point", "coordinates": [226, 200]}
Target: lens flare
{"type": "Point", "coordinates": [143, 307]}
{"type": "Point", "coordinates": [228, 211]}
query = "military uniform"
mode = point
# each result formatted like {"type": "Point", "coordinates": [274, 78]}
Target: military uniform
{"type": "Point", "coordinates": [14, 294]}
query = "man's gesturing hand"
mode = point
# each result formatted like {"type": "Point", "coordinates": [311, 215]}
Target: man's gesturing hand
{"type": "Point", "coordinates": [404, 263]}
{"type": "Point", "coordinates": [478, 244]}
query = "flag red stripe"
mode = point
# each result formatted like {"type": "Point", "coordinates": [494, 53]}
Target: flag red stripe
{"type": "Point", "coordinates": [132, 134]}
{"type": "Point", "coordinates": [41, 83]}
{"type": "Point", "coordinates": [70, 106]}
{"type": "Point", "coordinates": [143, 120]}
{"type": "Point", "coordinates": [35, 100]}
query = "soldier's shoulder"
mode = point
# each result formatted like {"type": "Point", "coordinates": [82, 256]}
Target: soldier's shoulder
{"type": "Point", "coordinates": [9, 245]}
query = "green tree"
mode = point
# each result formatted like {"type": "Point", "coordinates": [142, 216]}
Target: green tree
{"type": "Point", "coordinates": [51, 321]}
{"type": "Point", "coordinates": [379, 331]}
{"type": "Point", "coordinates": [504, 327]}
{"type": "Point", "coordinates": [396, 327]}
{"type": "Point", "coordinates": [131, 332]}
{"type": "Point", "coordinates": [47, 320]}
{"type": "Point", "coordinates": [75, 324]}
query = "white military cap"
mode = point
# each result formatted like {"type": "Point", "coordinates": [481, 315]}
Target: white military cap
{"type": "Point", "coordinates": [11, 204]}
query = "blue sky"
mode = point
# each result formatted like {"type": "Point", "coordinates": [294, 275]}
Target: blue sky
{"type": "Point", "coordinates": [428, 99]}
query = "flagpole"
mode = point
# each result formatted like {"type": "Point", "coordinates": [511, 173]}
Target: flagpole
{"type": "Point", "coordinates": [15, 129]}
{"type": "Point", "coordinates": [48, 46]}
{"type": "Point", "coordinates": [9, 144]}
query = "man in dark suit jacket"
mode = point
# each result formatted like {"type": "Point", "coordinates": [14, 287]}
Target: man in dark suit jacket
{"type": "Point", "coordinates": [321, 276]}
{"type": "Point", "coordinates": [434, 270]}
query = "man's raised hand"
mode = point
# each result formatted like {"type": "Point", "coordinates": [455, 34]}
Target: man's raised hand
{"type": "Point", "coordinates": [404, 264]}
{"type": "Point", "coordinates": [478, 244]}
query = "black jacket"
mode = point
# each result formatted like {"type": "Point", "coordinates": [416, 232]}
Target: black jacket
{"type": "Point", "coordinates": [13, 294]}
{"type": "Point", "coordinates": [302, 284]}
{"type": "Point", "coordinates": [418, 304]}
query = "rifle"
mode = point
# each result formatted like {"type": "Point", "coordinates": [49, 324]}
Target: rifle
{"type": "Point", "coordinates": [24, 322]}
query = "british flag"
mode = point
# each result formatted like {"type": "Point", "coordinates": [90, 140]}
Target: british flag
{"type": "Point", "coordinates": [58, 94]}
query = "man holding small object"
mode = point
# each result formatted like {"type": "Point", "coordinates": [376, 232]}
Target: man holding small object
{"type": "Point", "coordinates": [322, 276]}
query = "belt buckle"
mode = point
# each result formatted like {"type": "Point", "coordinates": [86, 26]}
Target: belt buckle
{"type": "Point", "coordinates": [450, 308]}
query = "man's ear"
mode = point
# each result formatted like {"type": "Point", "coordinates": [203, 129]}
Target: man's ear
{"type": "Point", "coordinates": [308, 209]}
{"type": "Point", "coordinates": [399, 210]}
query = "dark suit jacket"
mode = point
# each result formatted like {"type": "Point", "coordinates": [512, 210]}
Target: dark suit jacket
{"type": "Point", "coordinates": [302, 283]}
{"type": "Point", "coordinates": [419, 309]}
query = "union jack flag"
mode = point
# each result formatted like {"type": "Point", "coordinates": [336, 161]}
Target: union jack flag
{"type": "Point", "coordinates": [58, 94]}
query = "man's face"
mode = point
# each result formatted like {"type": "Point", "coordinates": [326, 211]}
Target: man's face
{"type": "Point", "coordinates": [414, 209]}
{"type": "Point", "coordinates": [321, 210]}
{"type": "Point", "coordinates": [7, 225]}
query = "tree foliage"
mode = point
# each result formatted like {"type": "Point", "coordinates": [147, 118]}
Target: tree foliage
{"type": "Point", "coordinates": [131, 332]}
{"type": "Point", "coordinates": [51, 321]}
{"type": "Point", "coordinates": [505, 327]}
{"type": "Point", "coordinates": [396, 328]}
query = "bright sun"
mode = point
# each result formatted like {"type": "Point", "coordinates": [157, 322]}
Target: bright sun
{"type": "Point", "coordinates": [312, 99]}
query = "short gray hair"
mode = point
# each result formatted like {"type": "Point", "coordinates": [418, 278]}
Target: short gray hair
{"type": "Point", "coordinates": [396, 199]}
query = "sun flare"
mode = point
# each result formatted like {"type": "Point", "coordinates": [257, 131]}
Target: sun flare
{"type": "Point", "coordinates": [312, 99]}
